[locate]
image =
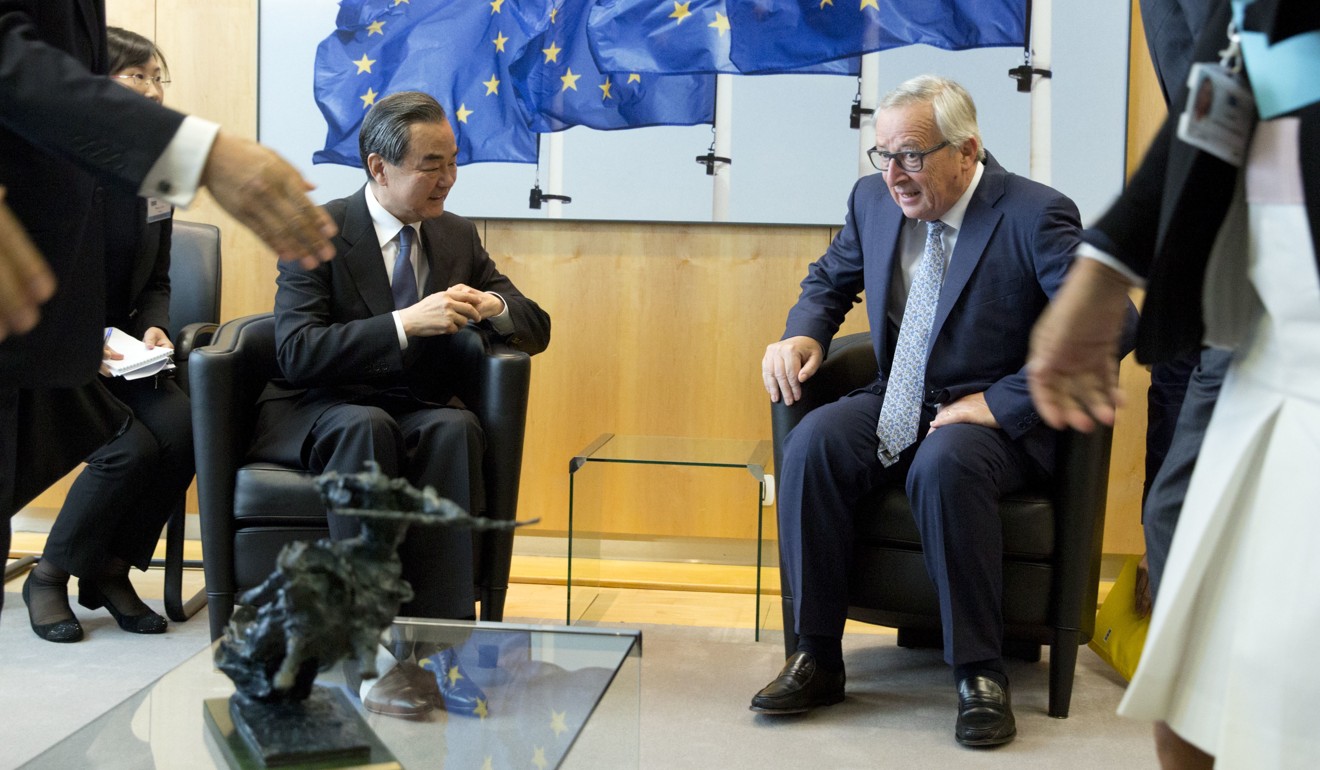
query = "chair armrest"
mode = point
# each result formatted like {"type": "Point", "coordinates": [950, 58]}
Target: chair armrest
{"type": "Point", "coordinates": [1081, 482]}
{"type": "Point", "coordinates": [189, 338]}
{"type": "Point", "coordinates": [849, 365]}
{"type": "Point", "coordinates": [226, 377]}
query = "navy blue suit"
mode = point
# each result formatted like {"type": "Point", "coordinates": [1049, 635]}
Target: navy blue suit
{"type": "Point", "coordinates": [1012, 252]}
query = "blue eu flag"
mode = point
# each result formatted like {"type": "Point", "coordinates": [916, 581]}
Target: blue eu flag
{"type": "Point", "coordinates": [669, 36]}
{"type": "Point", "coordinates": [562, 86]}
{"type": "Point", "coordinates": [782, 35]}
{"type": "Point", "coordinates": [458, 52]}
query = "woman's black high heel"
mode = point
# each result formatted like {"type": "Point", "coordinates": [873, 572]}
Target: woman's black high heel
{"type": "Point", "coordinates": [66, 630]}
{"type": "Point", "coordinates": [91, 597]}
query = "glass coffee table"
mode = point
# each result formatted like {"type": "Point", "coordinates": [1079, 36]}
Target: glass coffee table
{"type": "Point", "coordinates": [557, 697]}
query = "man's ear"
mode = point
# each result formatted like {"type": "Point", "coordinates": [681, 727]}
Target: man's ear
{"type": "Point", "coordinates": [376, 167]}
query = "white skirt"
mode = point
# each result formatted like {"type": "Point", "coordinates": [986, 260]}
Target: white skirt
{"type": "Point", "coordinates": [1231, 657]}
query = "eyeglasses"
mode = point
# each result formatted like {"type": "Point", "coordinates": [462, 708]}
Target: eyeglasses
{"type": "Point", "coordinates": [143, 80]}
{"type": "Point", "coordinates": [910, 161]}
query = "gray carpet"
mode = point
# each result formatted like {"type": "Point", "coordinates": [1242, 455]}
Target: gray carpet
{"type": "Point", "coordinates": [695, 686]}
{"type": "Point", "coordinates": [899, 711]}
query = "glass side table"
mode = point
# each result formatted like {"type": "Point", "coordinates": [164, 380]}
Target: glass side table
{"type": "Point", "coordinates": [586, 508]}
{"type": "Point", "coordinates": [558, 698]}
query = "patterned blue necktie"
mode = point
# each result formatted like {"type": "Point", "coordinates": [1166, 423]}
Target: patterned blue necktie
{"type": "Point", "coordinates": [404, 284]}
{"type": "Point", "coordinates": [901, 412]}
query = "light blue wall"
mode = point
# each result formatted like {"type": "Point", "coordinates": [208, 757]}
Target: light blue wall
{"type": "Point", "coordinates": [794, 154]}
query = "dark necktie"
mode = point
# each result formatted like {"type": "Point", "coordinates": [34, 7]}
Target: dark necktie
{"type": "Point", "coordinates": [404, 284]}
{"type": "Point", "coordinates": [900, 414]}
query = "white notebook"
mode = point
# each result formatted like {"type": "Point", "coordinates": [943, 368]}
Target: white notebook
{"type": "Point", "coordinates": [138, 360]}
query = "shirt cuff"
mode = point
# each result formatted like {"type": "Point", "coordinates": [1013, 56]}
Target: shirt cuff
{"type": "Point", "coordinates": [502, 323]}
{"type": "Point", "coordinates": [1087, 251]}
{"type": "Point", "coordinates": [398, 328]}
{"type": "Point", "coordinates": [177, 173]}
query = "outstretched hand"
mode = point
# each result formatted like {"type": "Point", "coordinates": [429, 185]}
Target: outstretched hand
{"type": "Point", "coordinates": [1072, 370]}
{"type": "Point", "coordinates": [268, 196]}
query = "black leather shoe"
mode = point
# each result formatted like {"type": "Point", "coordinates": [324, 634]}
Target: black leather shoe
{"type": "Point", "coordinates": [985, 713]}
{"type": "Point", "coordinates": [400, 693]}
{"type": "Point", "coordinates": [458, 694]}
{"type": "Point", "coordinates": [91, 597]}
{"type": "Point", "coordinates": [800, 686]}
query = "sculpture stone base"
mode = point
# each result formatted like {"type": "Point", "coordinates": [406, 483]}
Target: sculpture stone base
{"type": "Point", "coordinates": [325, 730]}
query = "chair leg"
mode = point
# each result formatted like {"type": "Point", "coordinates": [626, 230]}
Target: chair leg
{"type": "Point", "coordinates": [1063, 664]}
{"type": "Point", "coordinates": [175, 607]}
{"type": "Point", "coordinates": [20, 566]}
{"type": "Point", "coordinates": [220, 607]}
{"type": "Point", "coordinates": [492, 604]}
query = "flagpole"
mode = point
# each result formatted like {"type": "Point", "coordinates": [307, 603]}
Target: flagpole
{"type": "Point", "coordinates": [554, 171]}
{"type": "Point", "coordinates": [723, 147]}
{"type": "Point", "coordinates": [1041, 147]}
{"type": "Point", "coordinates": [868, 91]}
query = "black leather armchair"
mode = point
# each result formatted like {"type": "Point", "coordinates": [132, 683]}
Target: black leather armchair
{"type": "Point", "coordinates": [1052, 540]}
{"type": "Point", "coordinates": [250, 510]}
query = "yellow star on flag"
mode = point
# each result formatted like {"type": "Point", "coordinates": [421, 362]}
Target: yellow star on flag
{"type": "Point", "coordinates": [487, 765]}
{"type": "Point", "coordinates": [538, 758]}
{"type": "Point", "coordinates": [492, 87]}
{"type": "Point", "coordinates": [721, 23]}
{"type": "Point", "coordinates": [376, 28]}
{"type": "Point", "coordinates": [871, 3]}
{"type": "Point", "coordinates": [369, 98]}
{"type": "Point", "coordinates": [551, 53]}
{"type": "Point", "coordinates": [605, 90]}
{"type": "Point", "coordinates": [463, 113]}
{"type": "Point", "coordinates": [681, 11]}
{"type": "Point", "coordinates": [400, 2]}
{"type": "Point", "coordinates": [634, 78]}
{"type": "Point", "coordinates": [499, 41]}
{"type": "Point", "coordinates": [481, 709]}
{"type": "Point", "coordinates": [364, 64]}
{"type": "Point", "coordinates": [454, 675]}
{"type": "Point", "coordinates": [557, 722]}
{"type": "Point", "coordinates": [570, 80]}
{"type": "Point", "coordinates": [824, 3]}
{"type": "Point", "coordinates": [495, 6]}
{"type": "Point", "coordinates": [553, 13]}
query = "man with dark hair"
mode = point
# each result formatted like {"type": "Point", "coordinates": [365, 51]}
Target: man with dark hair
{"type": "Point", "coordinates": [362, 342]}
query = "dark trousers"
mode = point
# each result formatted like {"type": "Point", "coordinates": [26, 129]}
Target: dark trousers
{"type": "Point", "coordinates": [1165, 499]}
{"type": "Point", "coordinates": [8, 466]}
{"type": "Point", "coordinates": [954, 478]}
{"type": "Point", "coordinates": [1164, 400]}
{"type": "Point", "coordinates": [439, 447]}
{"type": "Point", "coordinates": [120, 502]}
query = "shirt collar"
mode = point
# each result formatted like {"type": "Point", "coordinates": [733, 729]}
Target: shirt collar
{"type": "Point", "coordinates": [387, 225]}
{"type": "Point", "coordinates": [954, 216]}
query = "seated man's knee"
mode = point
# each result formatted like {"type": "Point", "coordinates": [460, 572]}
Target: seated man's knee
{"type": "Point", "coordinates": [946, 460]}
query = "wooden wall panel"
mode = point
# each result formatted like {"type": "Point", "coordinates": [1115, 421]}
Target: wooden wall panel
{"type": "Point", "coordinates": [658, 329]}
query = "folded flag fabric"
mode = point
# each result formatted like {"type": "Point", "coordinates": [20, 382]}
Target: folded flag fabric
{"type": "Point", "coordinates": [783, 35]}
{"type": "Point", "coordinates": [669, 36]}
{"type": "Point", "coordinates": [458, 52]}
{"type": "Point", "coordinates": [560, 84]}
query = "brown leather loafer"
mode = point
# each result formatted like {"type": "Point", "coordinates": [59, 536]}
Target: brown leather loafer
{"type": "Point", "coordinates": [985, 713]}
{"type": "Point", "coordinates": [800, 686]}
{"type": "Point", "coordinates": [399, 693]}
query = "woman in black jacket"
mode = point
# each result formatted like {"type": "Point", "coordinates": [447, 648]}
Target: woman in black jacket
{"type": "Point", "coordinates": [114, 512]}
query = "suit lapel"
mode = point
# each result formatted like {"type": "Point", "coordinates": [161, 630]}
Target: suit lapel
{"type": "Point", "coordinates": [435, 249]}
{"type": "Point", "coordinates": [887, 233]}
{"type": "Point", "coordinates": [363, 259]}
{"type": "Point", "coordinates": [978, 225]}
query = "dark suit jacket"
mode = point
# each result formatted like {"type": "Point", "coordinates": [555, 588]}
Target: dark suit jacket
{"type": "Point", "coordinates": [1015, 246]}
{"type": "Point", "coordinates": [65, 127]}
{"type": "Point", "coordinates": [335, 337]}
{"type": "Point", "coordinates": [1163, 225]}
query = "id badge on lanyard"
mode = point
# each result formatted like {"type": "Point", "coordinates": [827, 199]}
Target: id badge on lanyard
{"type": "Point", "coordinates": [1221, 111]}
